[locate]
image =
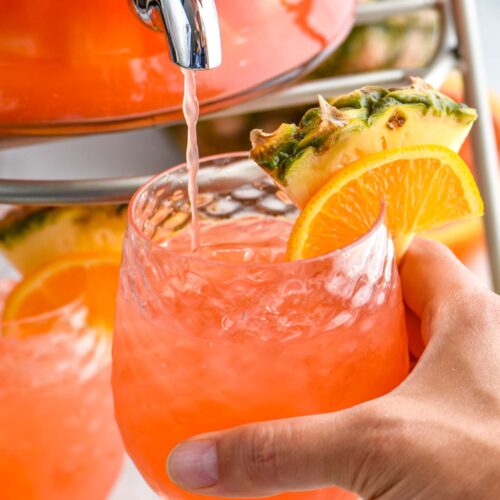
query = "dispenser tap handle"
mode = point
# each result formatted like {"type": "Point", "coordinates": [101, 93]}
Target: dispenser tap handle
{"type": "Point", "coordinates": [191, 26]}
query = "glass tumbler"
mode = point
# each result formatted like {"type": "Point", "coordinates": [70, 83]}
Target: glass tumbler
{"type": "Point", "coordinates": [58, 436]}
{"type": "Point", "coordinates": [233, 333]}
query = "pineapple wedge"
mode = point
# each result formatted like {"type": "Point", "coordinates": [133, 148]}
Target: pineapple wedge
{"type": "Point", "coordinates": [302, 158]}
{"type": "Point", "coordinates": [32, 237]}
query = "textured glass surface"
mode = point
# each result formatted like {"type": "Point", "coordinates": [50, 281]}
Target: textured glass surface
{"type": "Point", "coordinates": [235, 334]}
{"type": "Point", "coordinates": [58, 437]}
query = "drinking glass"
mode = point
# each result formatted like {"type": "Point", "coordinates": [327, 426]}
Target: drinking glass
{"type": "Point", "coordinates": [234, 333]}
{"type": "Point", "coordinates": [58, 436]}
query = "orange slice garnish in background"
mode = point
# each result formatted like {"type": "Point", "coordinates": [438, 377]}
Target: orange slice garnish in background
{"type": "Point", "coordinates": [424, 188]}
{"type": "Point", "coordinates": [462, 237]}
{"type": "Point", "coordinates": [91, 279]}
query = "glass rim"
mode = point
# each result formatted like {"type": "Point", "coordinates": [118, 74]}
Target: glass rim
{"type": "Point", "coordinates": [239, 155]}
{"type": "Point", "coordinates": [58, 312]}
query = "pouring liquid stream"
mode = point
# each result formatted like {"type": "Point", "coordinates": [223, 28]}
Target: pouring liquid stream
{"type": "Point", "coordinates": [191, 111]}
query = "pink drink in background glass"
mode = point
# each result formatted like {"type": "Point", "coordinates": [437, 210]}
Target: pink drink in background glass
{"type": "Point", "coordinates": [233, 334]}
{"type": "Point", "coordinates": [58, 437]}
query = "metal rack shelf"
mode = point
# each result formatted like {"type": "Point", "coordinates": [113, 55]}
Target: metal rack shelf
{"type": "Point", "coordinates": [458, 46]}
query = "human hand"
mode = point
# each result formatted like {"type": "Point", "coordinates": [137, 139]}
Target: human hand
{"type": "Point", "coordinates": [437, 436]}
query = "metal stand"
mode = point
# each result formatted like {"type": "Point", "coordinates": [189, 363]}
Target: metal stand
{"type": "Point", "coordinates": [459, 46]}
{"type": "Point", "coordinates": [483, 135]}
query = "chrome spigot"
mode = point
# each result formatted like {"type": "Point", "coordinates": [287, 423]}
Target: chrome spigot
{"type": "Point", "coordinates": [191, 26]}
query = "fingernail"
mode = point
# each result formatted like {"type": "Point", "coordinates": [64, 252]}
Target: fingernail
{"type": "Point", "coordinates": [193, 465]}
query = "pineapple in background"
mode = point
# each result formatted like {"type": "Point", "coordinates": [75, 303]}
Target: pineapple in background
{"type": "Point", "coordinates": [31, 237]}
{"type": "Point", "coordinates": [407, 41]}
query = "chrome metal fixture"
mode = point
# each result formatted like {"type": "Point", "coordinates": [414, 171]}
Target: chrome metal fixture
{"type": "Point", "coordinates": [191, 27]}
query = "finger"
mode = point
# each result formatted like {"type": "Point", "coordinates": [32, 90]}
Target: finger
{"type": "Point", "coordinates": [461, 317]}
{"type": "Point", "coordinates": [430, 273]}
{"type": "Point", "coordinates": [268, 458]}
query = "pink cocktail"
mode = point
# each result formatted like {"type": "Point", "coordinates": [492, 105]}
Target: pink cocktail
{"type": "Point", "coordinates": [234, 334]}
{"type": "Point", "coordinates": [58, 437]}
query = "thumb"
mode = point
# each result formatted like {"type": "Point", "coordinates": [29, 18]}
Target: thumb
{"type": "Point", "coordinates": [297, 454]}
{"type": "Point", "coordinates": [430, 273]}
{"type": "Point", "coordinates": [436, 283]}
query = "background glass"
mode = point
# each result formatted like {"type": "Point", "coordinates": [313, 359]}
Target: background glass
{"type": "Point", "coordinates": [58, 437]}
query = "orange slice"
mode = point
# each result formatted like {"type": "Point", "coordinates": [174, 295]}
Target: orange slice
{"type": "Point", "coordinates": [424, 187]}
{"type": "Point", "coordinates": [89, 278]}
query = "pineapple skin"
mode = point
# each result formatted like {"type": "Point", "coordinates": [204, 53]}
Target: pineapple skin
{"type": "Point", "coordinates": [32, 237]}
{"type": "Point", "coordinates": [345, 129]}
